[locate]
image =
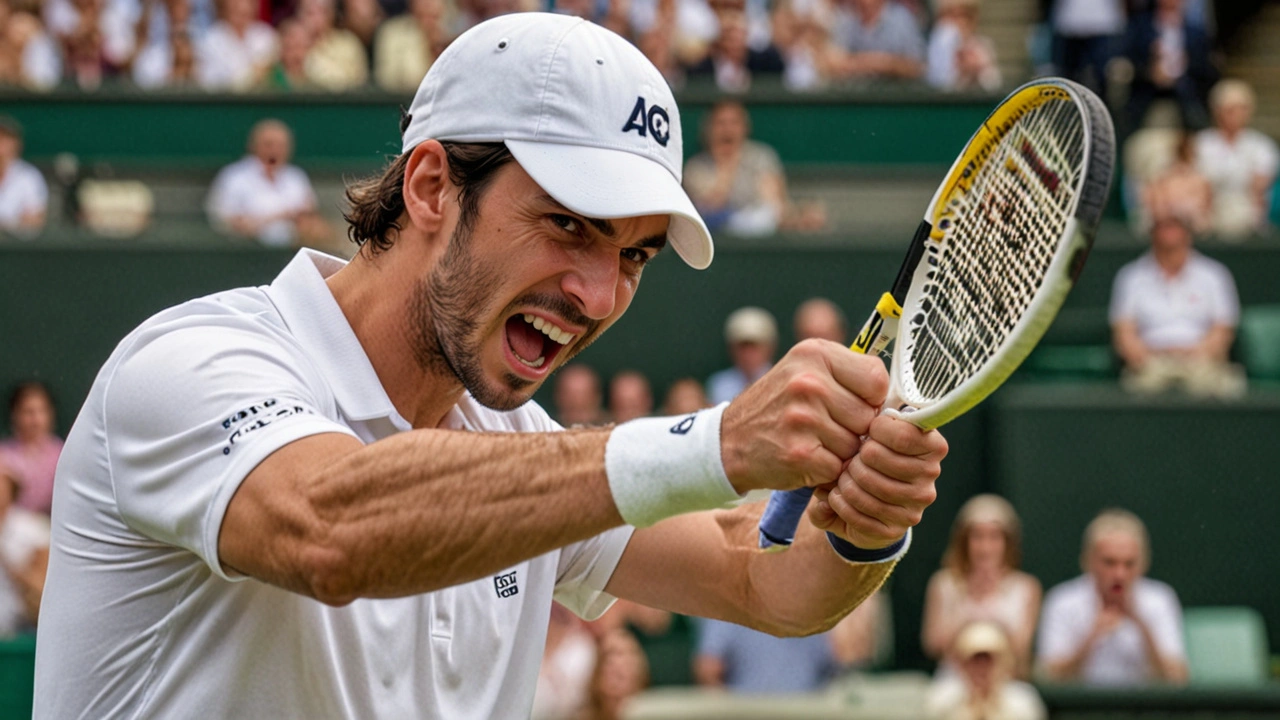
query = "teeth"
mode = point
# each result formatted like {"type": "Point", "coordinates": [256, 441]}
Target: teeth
{"type": "Point", "coordinates": [535, 364]}
{"type": "Point", "coordinates": [549, 329]}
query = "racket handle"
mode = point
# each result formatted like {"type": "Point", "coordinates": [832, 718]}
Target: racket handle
{"type": "Point", "coordinates": [782, 517]}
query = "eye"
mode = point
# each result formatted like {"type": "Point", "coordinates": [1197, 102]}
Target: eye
{"type": "Point", "coordinates": [567, 223]}
{"type": "Point", "coordinates": [636, 256]}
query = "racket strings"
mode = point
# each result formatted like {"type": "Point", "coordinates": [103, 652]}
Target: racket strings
{"type": "Point", "coordinates": [1005, 231]}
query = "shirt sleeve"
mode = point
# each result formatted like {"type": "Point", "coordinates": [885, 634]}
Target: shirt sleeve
{"type": "Point", "coordinates": [1123, 296]}
{"type": "Point", "coordinates": [220, 204]}
{"type": "Point", "coordinates": [1057, 640]}
{"type": "Point", "coordinates": [189, 414]}
{"type": "Point", "coordinates": [1226, 301]}
{"type": "Point", "coordinates": [1164, 620]}
{"type": "Point", "coordinates": [584, 570]}
{"type": "Point", "coordinates": [39, 193]}
{"type": "Point", "coordinates": [1267, 158]}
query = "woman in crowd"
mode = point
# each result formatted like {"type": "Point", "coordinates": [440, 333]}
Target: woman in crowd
{"type": "Point", "coordinates": [980, 580]}
{"type": "Point", "coordinates": [32, 453]}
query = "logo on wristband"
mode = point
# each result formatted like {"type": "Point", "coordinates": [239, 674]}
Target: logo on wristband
{"type": "Point", "coordinates": [684, 426]}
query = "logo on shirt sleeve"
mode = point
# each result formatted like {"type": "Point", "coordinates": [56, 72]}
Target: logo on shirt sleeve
{"type": "Point", "coordinates": [253, 418]}
{"type": "Point", "coordinates": [505, 585]}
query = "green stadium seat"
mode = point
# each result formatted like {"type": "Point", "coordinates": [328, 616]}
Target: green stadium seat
{"type": "Point", "coordinates": [1070, 362]}
{"type": "Point", "coordinates": [17, 676]}
{"type": "Point", "coordinates": [1259, 341]}
{"type": "Point", "coordinates": [1226, 646]}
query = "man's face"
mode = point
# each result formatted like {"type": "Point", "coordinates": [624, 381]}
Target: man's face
{"type": "Point", "coordinates": [751, 357]}
{"type": "Point", "coordinates": [525, 288]}
{"type": "Point", "coordinates": [577, 396]}
{"type": "Point", "coordinates": [273, 146]}
{"type": "Point", "coordinates": [820, 321]}
{"type": "Point", "coordinates": [1115, 561]}
{"type": "Point", "coordinates": [629, 398]}
{"type": "Point", "coordinates": [728, 127]}
{"type": "Point", "coordinates": [1234, 117]}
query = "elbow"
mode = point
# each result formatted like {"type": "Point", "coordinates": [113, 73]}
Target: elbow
{"type": "Point", "coordinates": [327, 572]}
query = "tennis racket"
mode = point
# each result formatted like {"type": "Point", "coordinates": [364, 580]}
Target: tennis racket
{"type": "Point", "coordinates": [1001, 245]}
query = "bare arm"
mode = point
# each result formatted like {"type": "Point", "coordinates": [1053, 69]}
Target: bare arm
{"type": "Point", "coordinates": [707, 564]}
{"type": "Point", "coordinates": [330, 518]}
{"type": "Point", "coordinates": [1023, 636]}
{"type": "Point", "coordinates": [1130, 348]}
{"type": "Point", "coordinates": [1216, 344]}
{"type": "Point", "coordinates": [938, 630]}
{"type": "Point", "coordinates": [1168, 669]}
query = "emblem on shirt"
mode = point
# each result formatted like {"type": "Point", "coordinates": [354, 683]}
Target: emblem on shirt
{"type": "Point", "coordinates": [243, 423]}
{"type": "Point", "coordinates": [505, 585]}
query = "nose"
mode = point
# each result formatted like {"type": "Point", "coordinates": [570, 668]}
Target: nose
{"type": "Point", "coordinates": [592, 282]}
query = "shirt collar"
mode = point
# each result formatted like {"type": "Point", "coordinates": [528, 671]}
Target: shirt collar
{"type": "Point", "coordinates": [316, 321]}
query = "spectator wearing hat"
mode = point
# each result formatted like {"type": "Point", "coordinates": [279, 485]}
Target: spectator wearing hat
{"type": "Point", "coordinates": [24, 196]}
{"type": "Point", "coordinates": [265, 197]}
{"type": "Point", "coordinates": [1173, 318]}
{"type": "Point", "coordinates": [984, 688]}
{"type": "Point", "coordinates": [752, 336]}
{"type": "Point", "coordinates": [1113, 625]}
{"type": "Point", "coordinates": [1240, 162]}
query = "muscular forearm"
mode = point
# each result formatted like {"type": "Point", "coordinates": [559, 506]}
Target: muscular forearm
{"type": "Point", "coordinates": [416, 512]}
{"type": "Point", "coordinates": [802, 591]}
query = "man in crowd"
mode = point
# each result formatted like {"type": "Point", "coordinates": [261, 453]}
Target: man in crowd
{"type": "Point", "coordinates": [24, 196]}
{"type": "Point", "coordinates": [752, 337]}
{"type": "Point", "coordinates": [1113, 625]}
{"type": "Point", "coordinates": [1173, 318]}
{"type": "Point", "coordinates": [820, 318]}
{"type": "Point", "coordinates": [630, 396]}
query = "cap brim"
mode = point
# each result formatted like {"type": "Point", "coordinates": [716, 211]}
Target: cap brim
{"type": "Point", "coordinates": [603, 183]}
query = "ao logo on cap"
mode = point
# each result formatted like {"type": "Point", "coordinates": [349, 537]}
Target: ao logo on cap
{"type": "Point", "coordinates": [653, 121]}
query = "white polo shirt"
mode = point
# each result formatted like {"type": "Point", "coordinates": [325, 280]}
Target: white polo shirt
{"type": "Point", "coordinates": [22, 190]}
{"type": "Point", "coordinates": [139, 618]}
{"type": "Point", "coordinates": [227, 61]}
{"type": "Point", "coordinates": [1230, 166]}
{"type": "Point", "coordinates": [243, 189]}
{"type": "Point", "coordinates": [1118, 658]}
{"type": "Point", "coordinates": [1175, 312]}
{"type": "Point", "coordinates": [22, 533]}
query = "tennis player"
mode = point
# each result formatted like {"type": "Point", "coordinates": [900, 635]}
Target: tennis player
{"type": "Point", "coordinates": [330, 497]}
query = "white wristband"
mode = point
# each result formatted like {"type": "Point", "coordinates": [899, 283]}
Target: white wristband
{"type": "Point", "coordinates": [664, 466]}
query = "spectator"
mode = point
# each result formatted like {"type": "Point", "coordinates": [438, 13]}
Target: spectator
{"type": "Point", "coordinates": [980, 581]}
{"type": "Point", "coordinates": [684, 397]}
{"type": "Point", "coordinates": [659, 38]}
{"type": "Point", "coordinates": [1170, 59]}
{"type": "Point", "coordinates": [85, 47]}
{"type": "Point", "coordinates": [362, 18]}
{"type": "Point", "coordinates": [24, 196]}
{"type": "Point", "coordinates": [620, 674]}
{"type": "Point", "coordinates": [568, 661]}
{"type": "Point", "coordinates": [28, 56]}
{"type": "Point", "coordinates": [1173, 318]}
{"type": "Point", "coordinates": [406, 46]}
{"type": "Point", "coordinates": [738, 184]}
{"type": "Point", "coordinates": [749, 661]}
{"type": "Point", "coordinates": [820, 318]}
{"type": "Point", "coordinates": [237, 51]}
{"type": "Point", "coordinates": [24, 557]}
{"type": "Point", "coordinates": [1112, 625]}
{"type": "Point", "coordinates": [166, 55]}
{"type": "Point", "coordinates": [1085, 36]}
{"type": "Point", "coordinates": [1180, 190]}
{"type": "Point", "coordinates": [32, 453]}
{"type": "Point", "coordinates": [577, 396]}
{"type": "Point", "coordinates": [752, 336]}
{"type": "Point", "coordinates": [290, 71]}
{"type": "Point", "coordinates": [985, 688]}
{"type": "Point", "coordinates": [337, 60]}
{"type": "Point", "coordinates": [629, 396]}
{"type": "Point", "coordinates": [801, 32]}
{"type": "Point", "coordinates": [731, 61]}
{"type": "Point", "coordinates": [1239, 162]}
{"type": "Point", "coordinates": [879, 39]}
{"type": "Point", "coordinates": [959, 58]}
{"type": "Point", "coordinates": [262, 196]}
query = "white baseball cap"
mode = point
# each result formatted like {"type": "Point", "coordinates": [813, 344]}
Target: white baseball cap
{"type": "Point", "coordinates": [582, 110]}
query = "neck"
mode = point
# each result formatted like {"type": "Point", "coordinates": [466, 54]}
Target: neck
{"type": "Point", "coordinates": [1172, 264]}
{"type": "Point", "coordinates": [372, 292]}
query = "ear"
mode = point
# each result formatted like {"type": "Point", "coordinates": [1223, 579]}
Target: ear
{"type": "Point", "coordinates": [426, 186]}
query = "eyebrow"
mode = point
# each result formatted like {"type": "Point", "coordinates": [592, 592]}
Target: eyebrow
{"type": "Point", "coordinates": [607, 228]}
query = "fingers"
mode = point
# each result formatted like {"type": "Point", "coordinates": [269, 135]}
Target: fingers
{"type": "Point", "coordinates": [863, 375]}
{"type": "Point", "coordinates": [902, 438]}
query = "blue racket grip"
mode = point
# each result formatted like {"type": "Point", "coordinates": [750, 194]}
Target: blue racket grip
{"type": "Point", "coordinates": [782, 517]}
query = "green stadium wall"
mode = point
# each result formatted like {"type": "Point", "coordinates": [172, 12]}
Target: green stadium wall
{"type": "Point", "coordinates": [1201, 474]}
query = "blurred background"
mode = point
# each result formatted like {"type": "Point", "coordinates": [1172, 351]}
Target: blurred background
{"type": "Point", "coordinates": [155, 150]}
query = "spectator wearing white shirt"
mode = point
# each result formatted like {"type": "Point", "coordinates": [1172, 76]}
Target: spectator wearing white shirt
{"type": "Point", "coordinates": [1112, 626]}
{"type": "Point", "coordinates": [167, 57]}
{"type": "Point", "coordinates": [984, 687]}
{"type": "Point", "coordinates": [1173, 318]}
{"type": "Point", "coordinates": [24, 196]}
{"type": "Point", "coordinates": [879, 39]}
{"type": "Point", "coordinates": [262, 196]}
{"type": "Point", "coordinates": [237, 51]}
{"type": "Point", "coordinates": [1240, 162]}
{"type": "Point", "coordinates": [28, 55]}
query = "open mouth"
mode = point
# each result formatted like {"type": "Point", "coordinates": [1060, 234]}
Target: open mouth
{"type": "Point", "coordinates": [534, 341]}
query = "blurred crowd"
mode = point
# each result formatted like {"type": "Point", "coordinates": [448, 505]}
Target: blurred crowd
{"type": "Point", "coordinates": [336, 45]}
{"type": "Point", "coordinates": [987, 622]}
